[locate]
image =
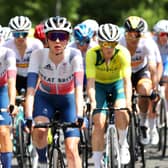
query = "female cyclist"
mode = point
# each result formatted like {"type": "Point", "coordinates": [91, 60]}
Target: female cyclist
{"type": "Point", "coordinates": [61, 82]}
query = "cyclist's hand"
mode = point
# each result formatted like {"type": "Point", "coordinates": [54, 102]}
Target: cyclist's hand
{"type": "Point", "coordinates": [27, 125]}
{"type": "Point", "coordinates": [83, 122]}
{"type": "Point", "coordinates": [13, 110]}
{"type": "Point", "coordinates": [154, 96]}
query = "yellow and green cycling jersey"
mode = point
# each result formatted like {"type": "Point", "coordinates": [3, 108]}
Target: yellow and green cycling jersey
{"type": "Point", "coordinates": [118, 68]}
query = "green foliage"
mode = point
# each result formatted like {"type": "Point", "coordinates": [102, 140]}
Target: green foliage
{"type": "Point", "coordinates": [78, 10]}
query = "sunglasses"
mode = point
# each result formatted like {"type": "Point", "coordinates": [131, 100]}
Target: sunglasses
{"type": "Point", "coordinates": [163, 34]}
{"type": "Point", "coordinates": [20, 34]}
{"type": "Point", "coordinates": [108, 44]}
{"type": "Point", "coordinates": [83, 42]}
{"type": "Point", "coordinates": [62, 36]}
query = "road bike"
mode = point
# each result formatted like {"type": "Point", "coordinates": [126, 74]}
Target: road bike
{"type": "Point", "coordinates": [85, 149]}
{"type": "Point", "coordinates": [111, 156]}
{"type": "Point", "coordinates": [134, 134]}
{"type": "Point", "coordinates": [55, 152]}
{"type": "Point", "coordinates": [161, 112]}
{"type": "Point", "coordinates": [22, 147]}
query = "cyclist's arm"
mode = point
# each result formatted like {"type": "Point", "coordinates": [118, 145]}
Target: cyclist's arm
{"type": "Point", "coordinates": [151, 51]}
{"type": "Point", "coordinates": [29, 102]}
{"type": "Point", "coordinates": [79, 93]}
{"type": "Point", "coordinates": [91, 92]}
{"type": "Point", "coordinates": [126, 68]}
{"type": "Point", "coordinates": [153, 71]}
{"type": "Point", "coordinates": [78, 71]}
{"type": "Point", "coordinates": [32, 80]}
{"type": "Point", "coordinates": [11, 77]}
{"type": "Point", "coordinates": [91, 75]}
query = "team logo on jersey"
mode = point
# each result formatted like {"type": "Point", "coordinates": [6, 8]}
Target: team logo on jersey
{"type": "Point", "coordinates": [48, 67]}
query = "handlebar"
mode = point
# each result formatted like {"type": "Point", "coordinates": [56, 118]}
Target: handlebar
{"type": "Point", "coordinates": [56, 124]}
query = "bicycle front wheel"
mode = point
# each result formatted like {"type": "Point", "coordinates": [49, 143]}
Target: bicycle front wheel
{"type": "Point", "coordinates": [162, 127]}
{"type": "Point", "coordinates": [23, 155]}
{"type": "Point", "coordinates": [56, 159]}
{"type": "Point", "coordinates": [112, 157]}
{"type": "Point", "coordinates": [132, 140]}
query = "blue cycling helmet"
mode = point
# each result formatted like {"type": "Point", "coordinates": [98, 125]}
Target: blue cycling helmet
{"type": "Point", "coordinates": [83, 33]}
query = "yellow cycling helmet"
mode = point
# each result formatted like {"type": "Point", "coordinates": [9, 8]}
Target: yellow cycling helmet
{"type": "Point", "coordinates": [135, 23]}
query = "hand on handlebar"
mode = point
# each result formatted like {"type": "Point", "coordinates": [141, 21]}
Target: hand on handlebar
{"type": "Point", "coordinates": [83, 122]}
{"type": "Point", "coordinates": [13, 110]}
{"type": "Point", "coordinates": [27, 125]}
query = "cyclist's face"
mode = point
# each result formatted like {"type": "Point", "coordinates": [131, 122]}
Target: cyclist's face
{"type": "Point", "coordinates": [162, 38]}
{"type": "Point", "coordinates": [108, 48]}
{"type": "Point", "coordinates": [57, 41]}
{"type": "Point", "coordinates": [132, 36]}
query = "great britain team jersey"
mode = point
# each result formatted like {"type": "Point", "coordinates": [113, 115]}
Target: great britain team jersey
{"type": "Point", "coordinates": [57, 79]}
{"type": "Point", "coordinates": [144, 53]}
{"type": "Point", "coordinates": [7, 65]}
{"type": "Point", "coordinates": [22, 63]}
{"type": "Point", "coordinates": [118, 67]}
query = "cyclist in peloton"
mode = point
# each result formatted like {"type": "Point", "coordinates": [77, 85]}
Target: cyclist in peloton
{"type": "Point", "coordinates": [40, 34]}
{"type": "Point", "coordinates": [93, 24]}
{"type": "Point", "coordinates": [108, 68]}
{"type": "Point", "coordinates": [161, 37]}
{"type": "Point", "coordinates": [82, 35]}
{"type": "Point", "coordinates": [7, 98]}
{"type": "Point", "coordinates": [22, 46]}
{"type": "Point", "coordinates": [61, 87]}
{"type": "Point", "coordinates": [144, 76]}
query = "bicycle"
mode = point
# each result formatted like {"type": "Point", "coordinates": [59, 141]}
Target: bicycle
{"type": "Point", "coordinates": [55, 154]}
{"type": "Point", "coordinates": [111, 156]}
{"type": "Point", "coordinates": [134, 133]}
{"type": "Point", "coordinates": [161, 111]}
{"type": "Point", "coordinates": [21, 141]}
{"type": "Point", "coordinates": [85, 149]}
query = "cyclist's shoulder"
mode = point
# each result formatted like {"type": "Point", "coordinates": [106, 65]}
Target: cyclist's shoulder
{"type": "Point", "coordinates": [122, 51]}
{"type": "Point", "coordinates": [94, 49]}
{"type": "Point", "coordinates": [34, 42]}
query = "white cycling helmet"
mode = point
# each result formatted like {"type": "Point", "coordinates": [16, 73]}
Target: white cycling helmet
{"type": "Point", "coordinates": [20, 23]}
{"type": "Point", "coordinates": [93, 24]}
{"type": "Point", "coordinates": [6, 33]}
{"type": "Point", "coordinates": [109, 32]}
{"type": "Point", "coordinates": [57, 23]}
{"type": "Point", "coordinates": [161, 26]}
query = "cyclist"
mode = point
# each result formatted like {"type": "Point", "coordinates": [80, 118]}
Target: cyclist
{"type": "Point", "coordinates": [144, 76]}
{"type": "Point", "coordinates": [61, 84]}
{"type": "Point", "coordinates": [22, 46]}
{"type": "Point", "coordinates": [161, 38]}
{"type": "Point", "coordinates": [40, 34]}
{"type": "Point", "coordinates": [93, 24]}
{"type": "Point", "coordinates": [82, 35]}
{"type": "Point", "coordinates": [108, 68]}
{"type": "Point", "coordinates": [7, 98]}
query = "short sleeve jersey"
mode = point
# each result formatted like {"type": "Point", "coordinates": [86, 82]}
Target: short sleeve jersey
{"type": "Point", "coordinates": [23, 62]}
{"type": "Point", "coordinates": [163, 50]}
{"type": "Point", "coordinates": [144, 53]}
{"type": "Point", "coordinates": [7, 65]}
{"type": "Point", "coordinates": [118, 68]}
{"type": "Point", "coordinates": [57, 79]}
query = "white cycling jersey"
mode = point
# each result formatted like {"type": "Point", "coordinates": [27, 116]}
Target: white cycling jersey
{"type": "Point", "coordinates": [145, 52]}
{"type": "Point", "coordinates": [7, 65]}
{"type": "Point", "coordinates": [23, 62]}
{"type": "Point", "coordinates": [57, 79]}
{"type": "Point", "coordinates": [163, 50]}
